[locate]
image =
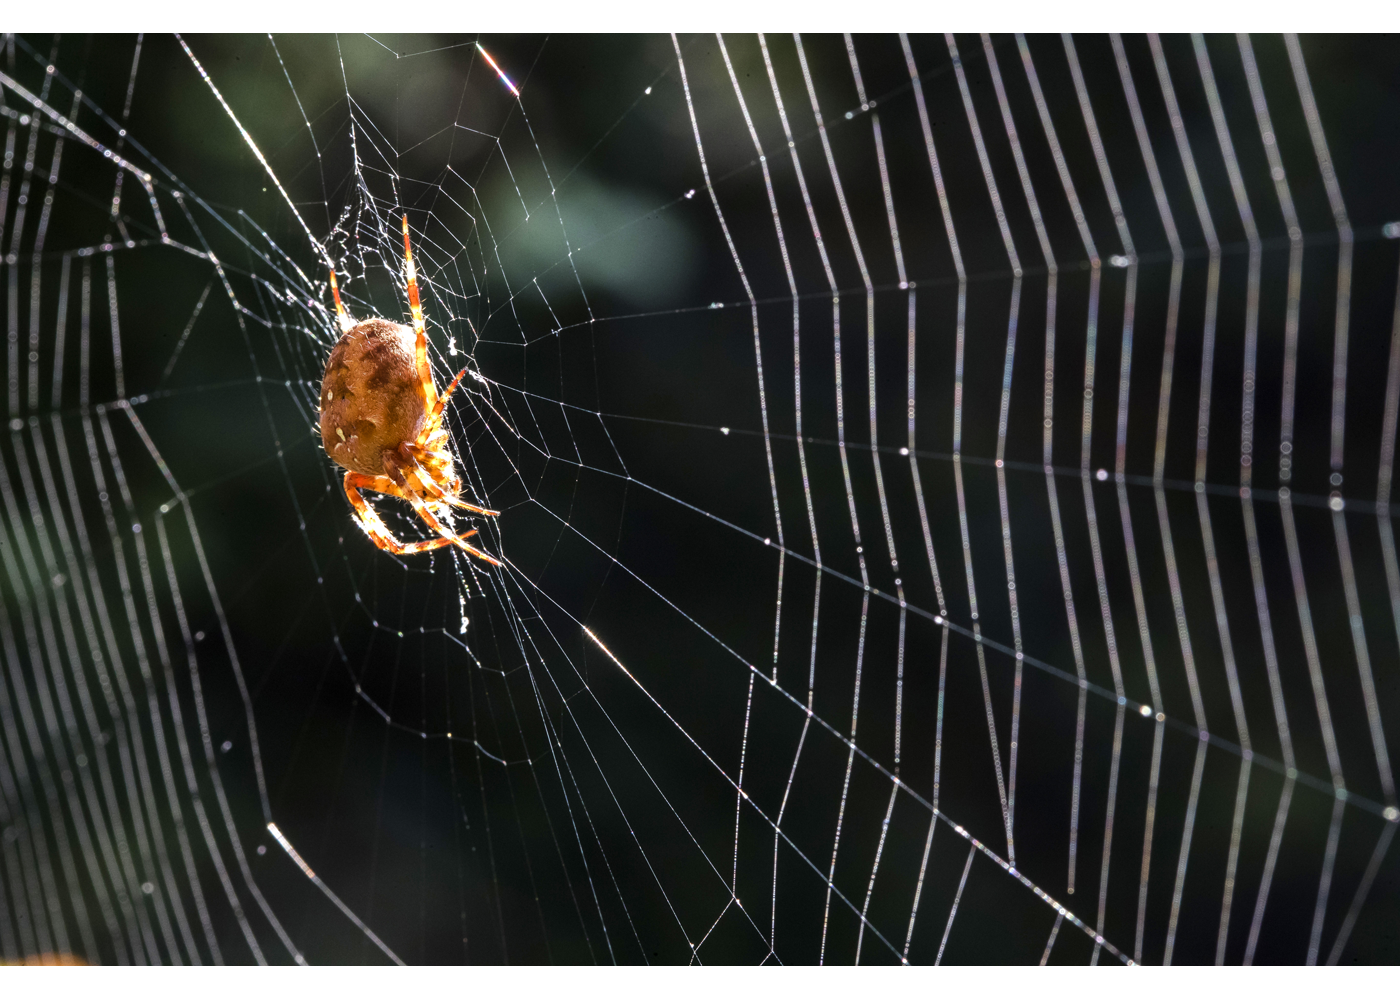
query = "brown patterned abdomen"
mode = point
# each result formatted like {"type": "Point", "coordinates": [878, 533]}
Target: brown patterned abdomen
{"type": "Point", "coordinates": [371, 396]}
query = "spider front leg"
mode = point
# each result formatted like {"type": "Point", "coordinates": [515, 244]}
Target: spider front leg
{"type": "Point", "coordinates": [342, 317]}
{"type": "Point", "coordinates": [420, 328]}
{"type": "Point", "coordinates": [374, 527]}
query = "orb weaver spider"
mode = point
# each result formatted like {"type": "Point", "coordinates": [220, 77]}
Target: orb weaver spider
{"type": "Point", "coordinates": [381, 421]}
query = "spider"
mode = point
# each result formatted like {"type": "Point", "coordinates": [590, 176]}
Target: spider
{"type": "Point", "coordinates": [381, 420]}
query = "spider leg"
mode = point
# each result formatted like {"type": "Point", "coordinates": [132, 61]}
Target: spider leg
{"type": "Point", "coordinates": [438, 493]}
{"type": "Point", "coordinates": [340, 314]}
{"type": "Point", "coordinates": [373, 526]}
{"type": "Point", "coordinates": [434, 462]}
{"type": "Point", "coordinates": [420, 329]}
{"type": "Point", "coordinates": [433, 439]}
{"type": "Point", "coordinates": [451, 498]}
{"type": "Point", "coordinates": [428, 484]}
{"type": "Point", "coordinates": [422, 511]}
{"type": "Point", "coordinates": [435, 413]}
{"type": "Point", "coordinates": [393, 463]}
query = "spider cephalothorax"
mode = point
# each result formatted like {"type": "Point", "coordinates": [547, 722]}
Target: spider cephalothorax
{"type": "Point", "coordinates": [381, 419]}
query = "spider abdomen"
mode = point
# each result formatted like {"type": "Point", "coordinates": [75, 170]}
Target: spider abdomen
{"type": "Point", "coordinates": [372, 398]}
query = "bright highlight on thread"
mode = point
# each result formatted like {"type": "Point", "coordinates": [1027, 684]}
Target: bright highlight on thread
{"type": "Point", "coordinates": [589, 632]}
{"type": "Point", "coordinates": [499, 72]}
{"type": "Point", "coordinates": [291, 851]}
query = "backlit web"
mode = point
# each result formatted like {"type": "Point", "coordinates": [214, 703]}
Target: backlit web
{"type": "Point", "coordinates": [945, 492]}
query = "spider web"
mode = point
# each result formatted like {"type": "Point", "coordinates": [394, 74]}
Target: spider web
{"type": "Point", "coordinates": [841, 619]}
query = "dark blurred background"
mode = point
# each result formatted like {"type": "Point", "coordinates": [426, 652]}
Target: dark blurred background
{"type": "Point", "coordinates": [198, 641]}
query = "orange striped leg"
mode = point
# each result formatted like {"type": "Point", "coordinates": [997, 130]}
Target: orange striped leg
{"type": "Point", "coordinates": [433, 439]}
{"type": "Point", "coordinates": [438, 494]}
{"type": "Point", "coordinates": [432, 463]}
{"type": "Point", "coordinates": [418, 470]}
{"type": "Point", "coordinates": [435, 414]}
{"type": "Point", "coordinates": [459, 540]}
{"type": "Point", "coordinates": [427, 484]}
{"type": "Point", "coordinates": [400, 468]}
{"type": "Point", "coordinates": [340, 314]}
{"type": "Point", "coordinates": [373, 526]}
{"type": "Point", "coordinates": [420, 329]}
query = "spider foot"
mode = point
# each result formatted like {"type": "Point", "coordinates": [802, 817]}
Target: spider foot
{"type": "Point", "coordinates": [470, 550]}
